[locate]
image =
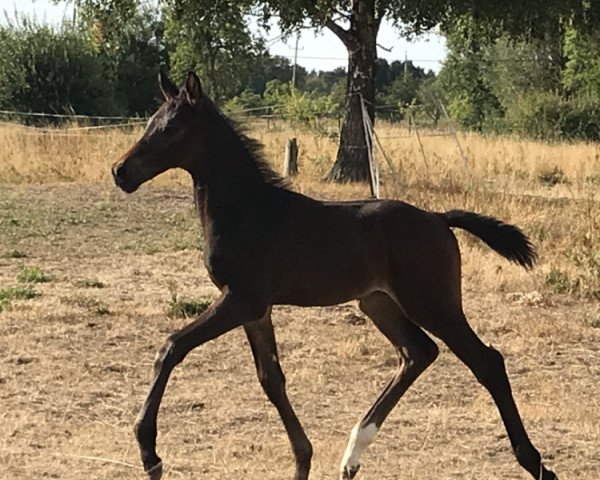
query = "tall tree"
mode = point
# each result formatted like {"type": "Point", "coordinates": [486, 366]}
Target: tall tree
{"type": "Point", "coordinates": [128, 39]}
{"type": "Point", "coordinates": [214, 39]}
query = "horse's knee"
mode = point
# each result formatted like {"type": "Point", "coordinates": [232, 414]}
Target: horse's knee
{"type": "Point", "coordinates": [272, 381]}
{"type": "Point", "coordinates": [415, 358]}
{"type": "Point", "coordinates": [167, 356]}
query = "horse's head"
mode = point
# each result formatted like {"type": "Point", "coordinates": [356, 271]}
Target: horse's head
{"type": "Point", "coordinates": [169, 138]}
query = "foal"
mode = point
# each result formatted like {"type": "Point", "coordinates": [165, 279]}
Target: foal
{"type": "Point", "coordinates": [266, 245]}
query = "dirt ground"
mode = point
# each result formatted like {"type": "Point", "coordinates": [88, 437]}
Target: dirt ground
{"type": "Point", "coordinates": [76, 362]}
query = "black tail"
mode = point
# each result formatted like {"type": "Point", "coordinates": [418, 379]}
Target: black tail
{"type": "Point", "coordinates": [508, 240]}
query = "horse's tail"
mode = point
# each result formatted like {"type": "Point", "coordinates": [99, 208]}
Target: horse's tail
{"type": "Point", "coordinates": [508, 240]}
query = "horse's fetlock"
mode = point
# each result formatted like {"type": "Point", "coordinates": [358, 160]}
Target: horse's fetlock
{"type": "Point", "coordinates": [304, 452]}
{"type": "Point", "coordinates": [142, 430]}
{"type": "Point", "coordinates": [528, 457]}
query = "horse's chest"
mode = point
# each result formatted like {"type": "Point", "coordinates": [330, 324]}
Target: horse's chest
{"type": "Point", "coordinates": [229, 263]}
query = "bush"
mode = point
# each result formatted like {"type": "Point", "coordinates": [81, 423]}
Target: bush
{"type": "Point", "coordinates": [65, 69]}
{"type": "Point", "coordinates": [245, 101]}
{"type": "Point", "coordinates": [549, 116]}
{"type": "Point", "coordinates": [301, 107]}
{"type": "Point", "coordinates": [45, 69]}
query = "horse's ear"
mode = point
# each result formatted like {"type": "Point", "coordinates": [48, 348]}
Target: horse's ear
{"type": "Point", "coordinates": [169, 89]}
{"type": "Point", "coordinates": [193, 88]}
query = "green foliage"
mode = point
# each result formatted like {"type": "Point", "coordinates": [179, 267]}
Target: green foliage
{"type": "Point", "coordinates": [298, 106]}
{"type": "Point", "coordinates": [512, 65]}
{"type": "Point", "coordinates": [182, 307]}
{"type": "Point", "coordinates": [333, 81]}
{"type": "Point", "coordinates": [127, 36]}
{"type": "Point", "coordinates": [397, 87]}
{"type": "Point", "coordinates": [106, 65]}
{"type": "Point", "coordinates": [582, 69]}
{"type": "Point", "coordinates": [594, 322]}
{"type": "Point", "coordinates": [213, 39]}
{"type": "Point", "coordinates": [247, 100]}
{"type": "Point", "coordinates": [266, 68]}
{"type": "Point", "coordinates": [544, 87]}
{"type": "Point", "coordinates": [430, 96]}
{"type": "Point", "coordinates": [550, 116]}
{"type": "Point", "coordinates": [513, 68]}
{"type": "Point", "coordinates": [33, 275]}
{"type": "Point", "coordinates": [50, 70]}
{"type": "Point", "coordinates": [471, 100]}
{"type": "Point", "coordinates": [7, 295]}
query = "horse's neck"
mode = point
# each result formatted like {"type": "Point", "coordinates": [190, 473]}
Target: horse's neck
{"type": "Point", "coordinates": [226, 176]}
{"type": "Point", "coordinates": [226, 188]}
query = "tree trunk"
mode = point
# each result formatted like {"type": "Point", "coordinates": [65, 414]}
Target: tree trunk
{"type": "Point", "coordinates": [352, 162]}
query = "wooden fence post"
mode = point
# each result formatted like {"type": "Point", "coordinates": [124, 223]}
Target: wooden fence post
{"type": "Point", "coordinates": [290, 161]}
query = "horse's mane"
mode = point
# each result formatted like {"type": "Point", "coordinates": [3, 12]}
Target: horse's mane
{"type": "Point", "coordinates": [255, 151]}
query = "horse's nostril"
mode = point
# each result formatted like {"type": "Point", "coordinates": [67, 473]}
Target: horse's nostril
{"type": "Point", "coordinates": [119, 172]}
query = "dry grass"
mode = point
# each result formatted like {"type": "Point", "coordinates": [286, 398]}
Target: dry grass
{"type": "Point", "coordinates": [77, 357]}
{"type": "Point", "coordinates": [502, 164]}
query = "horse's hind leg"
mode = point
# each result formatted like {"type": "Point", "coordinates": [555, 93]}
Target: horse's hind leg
{"type": "Point", "coordinates": [264, 349]}
{"type": "Point", "coordinates": [416, 351]}
{"type": "Point", "coordinates": [487, 364]}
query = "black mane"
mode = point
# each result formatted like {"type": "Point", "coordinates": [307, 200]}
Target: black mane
{"type": "Point", "coordinates": [255, 151]}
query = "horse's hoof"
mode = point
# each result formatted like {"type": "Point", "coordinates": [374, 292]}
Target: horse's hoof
{"type": "Point", "coordinates": [155, 472]}
{"type": "Point", "coordinates": [348, 473]}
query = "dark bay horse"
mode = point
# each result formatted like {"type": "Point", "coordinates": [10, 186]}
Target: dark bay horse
{"type": "Point", "coordinates": [266, 245]}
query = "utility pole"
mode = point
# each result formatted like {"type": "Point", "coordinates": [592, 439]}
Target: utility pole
{"type": "Point", "coordinates": [295, 61]}
{"type": "Point", "coordinates": [405, 65]}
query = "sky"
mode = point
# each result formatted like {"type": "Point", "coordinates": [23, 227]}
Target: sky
{"type": "Point", "coordinates": [316, 51]}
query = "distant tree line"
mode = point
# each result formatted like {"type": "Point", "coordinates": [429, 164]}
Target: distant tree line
{"type": "Point", "coordinates": [545, 86]}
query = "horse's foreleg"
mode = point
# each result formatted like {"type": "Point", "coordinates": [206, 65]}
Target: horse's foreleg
{"type": "Point", "coordinates": [264, 349]}
{"type": "Point", "coordinates": [228, 312]}
{"type": "Point", "coordinates": [416, 351]}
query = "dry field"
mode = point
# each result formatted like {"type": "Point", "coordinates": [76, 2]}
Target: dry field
{"type": "Point", "coordinates": [102, 269]}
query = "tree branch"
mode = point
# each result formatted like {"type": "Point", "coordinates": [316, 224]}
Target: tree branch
{"type": "Point", "coordinates": [385, 48]}
{"type": "Point", "coordinates": [344, 35]}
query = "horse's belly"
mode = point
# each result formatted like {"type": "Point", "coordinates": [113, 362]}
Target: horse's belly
{"type": "Point", "coordinates": [326, 284]}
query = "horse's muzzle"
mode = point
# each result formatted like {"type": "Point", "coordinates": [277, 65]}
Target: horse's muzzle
{"type": "Point", "coordinates": [122, 178]}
